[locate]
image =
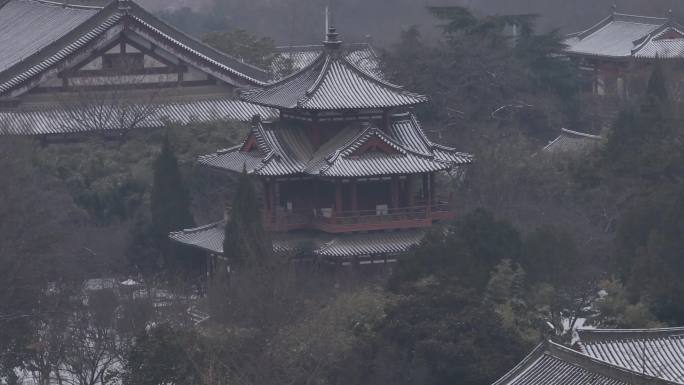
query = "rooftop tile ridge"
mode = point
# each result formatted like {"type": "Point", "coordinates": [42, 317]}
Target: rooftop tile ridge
{"type": "Point", "coordinates": [632, 18]}
{"type": "Point", "coordinates": [366, 134]}
{"type": "Point", "coordinates": [221, 151]}
{"type": "Point", "coordinates": [605, 368]}
{"type": "Point", "coordinates": [523, 365]}
{"type": "Point", "coordinates": [198, 229]}
{"type": "Point", "coordinates": [142, 15]}
{"type": "Point", "coordinates": [617, 334]}
{"type": "Point", "coordinates": [248, 94]}
{"type": "Point", "coordinates": [102, 20]}
{"type": "Point", "coordinates": [421, 133]}
{"type": "Point", "coordinates": [319, 80]}
{"type": "Point", "coordinates": [73, 4]}
{"type": "Point", "coordinates": [382, 82]}
{"type": "Point", "coordinates": [582, 134]}
{"type": "Point", "coordinates": [268, 148]}
{"type": "Point", "coordinates": [594, 28]}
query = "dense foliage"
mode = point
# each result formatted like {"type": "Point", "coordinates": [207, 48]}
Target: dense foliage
{"type": "Point", "coordinates": [542, 243]}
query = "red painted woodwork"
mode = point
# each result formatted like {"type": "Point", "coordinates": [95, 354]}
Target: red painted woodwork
{"type": "Point", "coordinates": [375, 144]}
{"type": "Point", "coordinates": [249, 144]}
{"type": "Point", "coordinates": [354, 221]}
{"type": "Point", "coordinates": [670, 34]}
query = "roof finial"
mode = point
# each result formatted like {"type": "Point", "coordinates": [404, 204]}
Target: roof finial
{"type": "Point", "coordinates": [670, 15]}
{"type": "Point", "coordinates": [327, 19]}
{"type": "Point", "coordinates": [613, 8]}
{"type": "Point", "coordinates": [331, 37]}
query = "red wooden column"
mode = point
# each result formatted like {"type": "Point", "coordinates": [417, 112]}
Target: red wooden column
{"type": "Point", "coordinates": [409, 190]}
{"type": "Point", "coordinates": [428, 191]}
{"type": "Point", "coordinates": [394, 190]}
{"type": "Point", "coordinates": [338, 196]}
{"type": "Point", "coordinates": [354, 196]}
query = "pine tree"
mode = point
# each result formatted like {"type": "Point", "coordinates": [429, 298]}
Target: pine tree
{"type": "Point", "coordinates": [170, 206]}
{"type": "Point", "coordinates": [246, 242]}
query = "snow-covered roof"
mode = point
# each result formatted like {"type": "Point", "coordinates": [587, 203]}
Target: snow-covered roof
{"type": "Point", "coordinates": [282, 149]}
{"type": "Point", "coordinates": [656, 352]}
{"type": "Point", "coordinates": [622, 36]}
{"type": "Point", "coordinates": [381, 243]}
{"type": "Point", "coordinates": [553, 364]}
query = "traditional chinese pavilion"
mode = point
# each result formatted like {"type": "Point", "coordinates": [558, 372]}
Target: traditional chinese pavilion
{"type": "Point", "coordinates": [617, 55]}
{"type": "Point", "coordinates": [346, 166]}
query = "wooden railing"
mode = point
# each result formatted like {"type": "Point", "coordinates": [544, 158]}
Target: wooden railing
{"type": "Point", "coordinates": [362, 220]}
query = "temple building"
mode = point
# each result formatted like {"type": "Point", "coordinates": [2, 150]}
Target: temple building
{"type": "Point", "coordinates": [346, 166]}
{"type": "Point", "coordinates": [76, 66]}
{"type": "Point", "coordinates": [571, 142]}
{"type": "Point", "coordinates": [617, 55]}
{"type": "Point", "coordinates": [606, 357]}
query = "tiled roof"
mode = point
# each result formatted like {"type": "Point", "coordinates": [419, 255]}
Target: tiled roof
{"type": "Point", "coordinates": [38, 35]}
{"type": "Point", "coordinates": [287, 150]}
{"type": "Point", "coordinates": [656, 352]}
{"type": "Point", "coordinates": [666, 43]}
{"type": "Point", "coordinates": [553, 364]}
{"type": "Point", "coordinates": [289, 60]}
{"type": "Point", "coordinates": [28, 26]}
{"type": "Point", "coordinates": [210, 238]}
{"type": "Point", "coordinates": [63, 119]}
{"type": "Point", "coordinates": [381, 243]}
{"type": "Point", "coordinates": [332, 82]}
{"type": "Point", "coordinates": [615, 36]}
{"type": "Point", "coordinates": [573, 142]}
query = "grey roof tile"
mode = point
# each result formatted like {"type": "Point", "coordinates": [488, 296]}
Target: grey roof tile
{"type": "Point", "coordinates": [616, 36]}
{"type": "Point", "coordinates": [291, 59]}
{"type": "Point", "coordinates": [573, 142]}
{"type": "Point", "coordinates": [655, 352]}
{"type": "Point", "coordinates": [286, 150]}
{"type": "Point", "coordinates": [332, 82]}
{"type": "Point", "coordinates": [553, 364]}
{"type": "Point", "coordinates": [65, 120]}
{"type": "Point", "coordinates": [210, 238]}
{"type": "Point", "coordinates": [38, 35]}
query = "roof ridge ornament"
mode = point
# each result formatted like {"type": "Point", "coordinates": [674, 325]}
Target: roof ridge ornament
{"type": "Point", "coordinates": [613, 9]}
{"type": "Point", "coordinates": [332, 40]}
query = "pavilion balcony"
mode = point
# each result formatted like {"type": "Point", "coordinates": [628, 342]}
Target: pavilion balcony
{"type": "Point", "coordinates": [382, 218]}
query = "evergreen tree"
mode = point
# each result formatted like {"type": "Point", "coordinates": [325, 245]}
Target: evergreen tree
{"type": "Point", "coordinates": [245, 241]}
{"type": "Point", "coordinates": [645, 142]}
{"type": "Point", "coordinates": [657, 84]}
{"type": "Point", "coordinates": [170, 207]}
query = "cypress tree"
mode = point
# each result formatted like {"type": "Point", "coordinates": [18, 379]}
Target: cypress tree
{"type": "Point", "coordinates": [245, 242]}
{"type": "Point", "coordinates": [657, 84]}
{"type": "Point", "coordinates": [170, 206]}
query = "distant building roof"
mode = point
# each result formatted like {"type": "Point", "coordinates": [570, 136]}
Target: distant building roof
{"type": "Point", "coordinates": [655, 352]}
{"type": "Point", "coordinates": [37, 36]}
{"type": "Point", "coordinates": [332, 82]}
{"type": "Point", "coordinates": [280, 150]}
{"type": "Point", "coordinates": [553, 364]}
{"type": "Point", "coordinates": [386, 243]}
{"type": "Point", "coordinates": [622, 36]}
{"type": "Point", "coordinates": [573, 142]}
{"type": "Point", "coordinates": [291, 59]}
{"type": "Point", "coordinates": [84, 118]}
